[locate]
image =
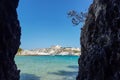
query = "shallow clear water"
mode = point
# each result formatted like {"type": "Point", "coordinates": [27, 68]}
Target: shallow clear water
{"type": "Point", "coordinates": [47, 67]}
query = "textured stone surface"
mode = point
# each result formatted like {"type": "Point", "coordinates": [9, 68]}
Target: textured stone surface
{"type": "Point", "coordinates": [9, 39]}
{"type": "Point", "coordinates": [100, 42]}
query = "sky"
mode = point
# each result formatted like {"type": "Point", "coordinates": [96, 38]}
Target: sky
{"type": "Point", "coordinates": [45, 23]}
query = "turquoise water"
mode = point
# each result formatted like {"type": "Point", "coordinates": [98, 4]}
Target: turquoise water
{"type": "Point", "coordinates": [47, 67]}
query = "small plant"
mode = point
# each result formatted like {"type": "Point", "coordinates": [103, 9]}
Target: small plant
{"type": "Point", "coordinates": [76, 51]}
{"type": "Point", "coordinates": [19, 50]}
{"type": "Point", "coordinates": [77, 17]}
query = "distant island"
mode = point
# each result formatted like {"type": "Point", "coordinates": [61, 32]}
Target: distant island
{"type": "Point", "coordinates": [53, 50]}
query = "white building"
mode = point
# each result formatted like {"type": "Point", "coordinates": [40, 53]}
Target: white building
{"type": "Point", "coordinates": [56, 47]}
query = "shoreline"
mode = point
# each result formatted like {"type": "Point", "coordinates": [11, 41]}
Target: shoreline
{"type": "Point", "coordinates": [48, 55]}
{"type": "Point", "coordinates": [52, 51]}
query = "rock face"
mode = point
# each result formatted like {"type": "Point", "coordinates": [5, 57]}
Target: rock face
{"type": "Point", "coordinates": [100, 42]}
{"type": "Point", "coordinates": [9, 39]}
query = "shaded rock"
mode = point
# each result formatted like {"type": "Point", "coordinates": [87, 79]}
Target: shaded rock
{"type": "Point", "coordinates": [9, 39]}
{"type": "Point", "coordinates": [100, 42]}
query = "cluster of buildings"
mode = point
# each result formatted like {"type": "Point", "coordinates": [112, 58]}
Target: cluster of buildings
{"type": "Point", "coordinates": [53, 50]}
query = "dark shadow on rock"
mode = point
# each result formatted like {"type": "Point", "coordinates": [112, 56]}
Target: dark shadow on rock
{"type": "Point", "coordinates": [73, 67]}
{"type": "Point", "coordinates": [26, 76]}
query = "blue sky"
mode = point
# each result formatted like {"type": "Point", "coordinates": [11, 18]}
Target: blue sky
{"type": "Point", "coordinates": [45, 23]}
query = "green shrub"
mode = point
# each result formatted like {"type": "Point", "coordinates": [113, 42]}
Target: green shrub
{"type": "Point", "coordinates": [20, 49]}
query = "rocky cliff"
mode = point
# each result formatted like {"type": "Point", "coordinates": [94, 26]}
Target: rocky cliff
{"type": "Point", "coordinates": [100, 42]}
{"type": "Point", "coordinates": [9, 39]}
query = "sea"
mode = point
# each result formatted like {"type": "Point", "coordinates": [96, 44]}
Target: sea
{"type": "Point", "coordinates": [47, 67]}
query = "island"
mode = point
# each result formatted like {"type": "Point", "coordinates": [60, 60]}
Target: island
{"type": "Point", "coordinates": [53, 50]}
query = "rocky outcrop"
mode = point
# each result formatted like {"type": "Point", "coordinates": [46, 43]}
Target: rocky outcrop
{"type": "Point", "coordinates": [9, 39]}
{"type": "Point", "coordinates": [100, 42]}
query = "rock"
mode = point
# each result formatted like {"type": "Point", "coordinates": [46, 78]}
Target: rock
{"type": "Point", "coordinates": [100, 42]}
{"type": "Point", "coordinates": [9, 39]}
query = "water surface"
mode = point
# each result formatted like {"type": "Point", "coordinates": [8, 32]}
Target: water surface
{"type": "Point", "coordinates": [47, 67]}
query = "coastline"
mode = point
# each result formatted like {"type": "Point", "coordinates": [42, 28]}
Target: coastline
{"type": "Point", "coordinates": [52, 51]}
{"type": "Point", "coordinates": [47, 54]}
